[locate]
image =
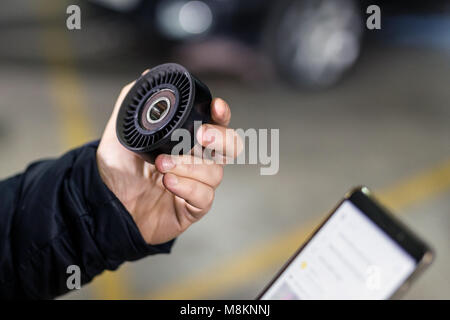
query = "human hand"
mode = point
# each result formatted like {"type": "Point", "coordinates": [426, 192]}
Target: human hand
{"type": "Point", "coordinates": [164, 199]}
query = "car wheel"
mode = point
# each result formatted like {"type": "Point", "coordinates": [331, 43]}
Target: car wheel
{"type": "Point", "coordinates": [314, 42]}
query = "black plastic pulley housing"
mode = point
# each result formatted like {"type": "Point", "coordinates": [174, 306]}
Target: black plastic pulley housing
{"type": "Point", "coordinates": [162, 100]}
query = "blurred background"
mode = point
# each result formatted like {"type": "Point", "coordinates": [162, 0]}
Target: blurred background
{"type": "Point", "coordinates": [354, 106]}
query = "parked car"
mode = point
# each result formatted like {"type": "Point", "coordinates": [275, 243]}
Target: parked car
{"type": "Point", "coordinates": [311, 43]}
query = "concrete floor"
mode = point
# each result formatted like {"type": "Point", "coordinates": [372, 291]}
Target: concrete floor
{"type": "Point", "coordinates": [388, 121]}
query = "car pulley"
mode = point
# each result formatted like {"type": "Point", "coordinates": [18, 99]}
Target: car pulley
{"type": "Point", "coordinates": [162, 100]}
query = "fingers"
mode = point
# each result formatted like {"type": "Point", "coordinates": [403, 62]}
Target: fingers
{"type": "Point", "coordinates": [195, 182]}
{"type": "Point", "coordinates": [206, 172]}
{"type": "Point", "coordinates": [197, 194]}
{"type": "Point", "coordinates": [191, 181]}
{"type": "Point", "coordinates": [220, 112]}
{"type": "Point", "coordinates": [222, 140]}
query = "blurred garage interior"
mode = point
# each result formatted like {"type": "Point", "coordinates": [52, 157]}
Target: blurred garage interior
{"type": "Point", "coordinates": [354, 106]}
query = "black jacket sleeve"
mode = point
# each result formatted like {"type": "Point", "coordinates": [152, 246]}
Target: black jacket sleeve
{"type": "Point", "coordinates": [59, 213]}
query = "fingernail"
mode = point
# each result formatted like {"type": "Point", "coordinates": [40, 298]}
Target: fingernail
{"type": "Point", "coordinates": [171, 180]}
{"type": "Point", "coordinates": [167, 164]}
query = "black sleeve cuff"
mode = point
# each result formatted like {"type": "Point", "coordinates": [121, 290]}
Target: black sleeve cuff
{"type": "Point", "coordinates": [112, 227]}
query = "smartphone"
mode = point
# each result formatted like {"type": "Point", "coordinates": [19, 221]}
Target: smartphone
{"type": "Point", "coordinates": [360, 251]}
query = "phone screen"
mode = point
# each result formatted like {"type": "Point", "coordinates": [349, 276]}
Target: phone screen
{"type": "Point", "coordinates": [349, 257]}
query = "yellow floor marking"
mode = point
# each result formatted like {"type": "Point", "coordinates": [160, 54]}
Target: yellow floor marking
{"type": "Point", "coordinates": [247, 266]}
{"type": "Point", "coordinates": [417, 189]}
{"type": "Point", "coordinates": [111, 285]}
{"type": "Point", "coordinates": [70, 103]}
{"type": "Point", "coordinates": [66, 88]}
{"type": "Point", "coordinates": [67, 97]}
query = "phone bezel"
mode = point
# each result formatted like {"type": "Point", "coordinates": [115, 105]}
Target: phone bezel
{"type": "Point", "coordinates": [363, 199]}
